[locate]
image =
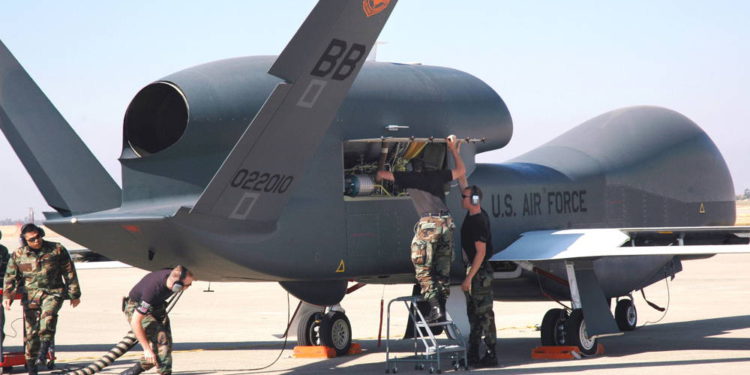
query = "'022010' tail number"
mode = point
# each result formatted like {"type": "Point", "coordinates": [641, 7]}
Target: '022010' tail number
{"type": "Point", "coordinates": [258, 181]}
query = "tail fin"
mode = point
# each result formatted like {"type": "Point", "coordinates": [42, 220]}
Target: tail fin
{"type": "Point", "coordinates": [319, 66]}
{"type": "Point", "coordinates": [65, 171]}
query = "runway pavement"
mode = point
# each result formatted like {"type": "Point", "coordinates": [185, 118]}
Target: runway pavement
{"type": "Point", "coordinates": [229, 329]}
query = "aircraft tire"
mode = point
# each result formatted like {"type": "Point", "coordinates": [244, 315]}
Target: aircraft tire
{"type": "Point", "coordinates": [308, 330]}
{"type": "Point", "coordinates": [626, 315]}
{"type": "Point", "coordinates": [575, 329]}
{"type": "Point", "coordinates": [553, 328]}
{"type": "Point", "coordinates": [336, 332]}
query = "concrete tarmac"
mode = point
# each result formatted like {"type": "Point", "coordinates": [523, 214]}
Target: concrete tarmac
{"type": "Point", "coordinates": [228, 329]}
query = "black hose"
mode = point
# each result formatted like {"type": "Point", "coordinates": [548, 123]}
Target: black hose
{"type": "Point", "coordinates": [117, 351]}
{"type": "Point", "coordinates": [122, 347]}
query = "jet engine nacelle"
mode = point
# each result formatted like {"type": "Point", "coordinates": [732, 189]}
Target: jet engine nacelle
{"type": "Point", "coordinates": [178, 130]}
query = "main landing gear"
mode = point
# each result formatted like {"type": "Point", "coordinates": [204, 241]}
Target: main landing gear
{"type": "Point", "coordinates": [330, 328]}
{"type": "Point", "coordinates": [563, 328]}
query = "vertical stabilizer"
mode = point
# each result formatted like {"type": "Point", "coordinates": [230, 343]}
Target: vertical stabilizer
{"type": "Point", "coordinates": [318, 66]}
{"type": "Point", "coordinates": [62, 167]}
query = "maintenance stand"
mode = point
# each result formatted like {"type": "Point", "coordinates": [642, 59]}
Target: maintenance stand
{"type": "Point", "coordinates": [432, 353]}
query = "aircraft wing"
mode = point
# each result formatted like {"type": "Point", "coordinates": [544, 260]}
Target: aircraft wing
{"type": "Point", "coordinates": [318, 66]}
{"type": "Point", "coordinates": [579, 248]}
{"type": "Point", "coordinates": [567, 244]}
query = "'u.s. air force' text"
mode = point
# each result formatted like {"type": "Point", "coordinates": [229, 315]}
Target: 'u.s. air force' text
{"type": "Point", "coordinates": [539, 203]}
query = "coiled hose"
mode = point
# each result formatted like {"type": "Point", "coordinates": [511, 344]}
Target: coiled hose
{"type": "Point", "coordinates": [117, 351]}
{"type": "Point", "coordinates": [122, 347]}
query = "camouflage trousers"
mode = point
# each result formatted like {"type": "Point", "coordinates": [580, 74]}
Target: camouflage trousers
{"type": "Point", "coordinates": [158, 333]}
{"type": "Point", "coordinates": [40, 320]}
{"type": "Point", "coordinates": [432, 254]}
{"type": "Point", "coordinates": [479, 308]}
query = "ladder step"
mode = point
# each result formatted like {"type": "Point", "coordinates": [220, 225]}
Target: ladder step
{"type": "Point", "coordinates": [446, 349]}
{"type": "Point", "coordinates": [436, 324]}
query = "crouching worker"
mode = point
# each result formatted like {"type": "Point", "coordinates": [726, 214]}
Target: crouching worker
{"type": "Point", "coordinates": [146, 311]}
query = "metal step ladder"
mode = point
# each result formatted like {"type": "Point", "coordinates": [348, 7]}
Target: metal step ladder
{"type": "Point", "coordinates": [432, 352]}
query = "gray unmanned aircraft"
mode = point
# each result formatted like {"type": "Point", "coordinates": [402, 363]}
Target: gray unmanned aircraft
{"type": "Point", "coordinates": [262, 169]}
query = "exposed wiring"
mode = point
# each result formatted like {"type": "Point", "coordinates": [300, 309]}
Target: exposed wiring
{"type": "Point", "coordinates": [286, 339]}
{"type": "Point", "coordinates": [669, 298]}
{"type": "Point", "coordinates": [384, 190]}
{"type": "Point", "coordinates": [15, 333]}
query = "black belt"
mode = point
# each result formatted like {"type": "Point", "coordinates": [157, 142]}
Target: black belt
{"type": "Point", "coordinates": [432, 214]}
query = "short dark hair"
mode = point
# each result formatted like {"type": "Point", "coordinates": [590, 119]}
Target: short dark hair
{"type": "Point", "coordinates": [31, 227]}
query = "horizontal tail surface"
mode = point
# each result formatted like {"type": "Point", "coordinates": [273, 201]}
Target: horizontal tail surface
{"type": "Point", "coordinates": [62, 167]}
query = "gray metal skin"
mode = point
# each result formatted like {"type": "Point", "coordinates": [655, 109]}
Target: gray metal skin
{"type": "Point", "coordinates": [319, 227]}
{"type": "Point", "coordinates": [635, 167]}
{"type": "Point", "coordinates": [31, 123]}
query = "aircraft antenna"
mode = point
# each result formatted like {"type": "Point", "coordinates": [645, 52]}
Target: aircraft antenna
{"type": "Point", "coordinates": [374, 53]}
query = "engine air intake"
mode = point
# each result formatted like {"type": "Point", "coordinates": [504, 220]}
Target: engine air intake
{"type": "Point", "coordinates": [156, 118]}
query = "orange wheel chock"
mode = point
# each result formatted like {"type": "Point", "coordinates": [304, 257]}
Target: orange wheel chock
{"type": "Point", "coordinates": [323, 351]}
{"type": "Point", "coordinates": [561, 352]}
{"type": "Point", "coordinates": [314, 352]}
{"type": "Point", "coordinates": [354, 349]}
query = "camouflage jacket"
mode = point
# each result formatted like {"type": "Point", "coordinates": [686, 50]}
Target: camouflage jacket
{"type": "Point", "coordinates": [40, 272]}
{"type": "Point", "coordinates": [3, 259]}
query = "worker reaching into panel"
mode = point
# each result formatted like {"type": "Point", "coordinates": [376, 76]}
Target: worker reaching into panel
{"type": "Point", "coordinates": [432, 245]}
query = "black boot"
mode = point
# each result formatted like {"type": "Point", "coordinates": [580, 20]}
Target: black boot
{"type": "Point", "coordinates": [443, 300]}
{"type": "Point", "coordinates": [135, 370]}
{"type": "Point", "coordinates": [41, 360]}
{"type": "Point", "coordinates": [436, 313]}
{"type": "Point", "coordinates": [31, 367]}
{"type": "Point", "coordinates": [473, 355]}
{"type": "Point", "coordinates": [489, 359]}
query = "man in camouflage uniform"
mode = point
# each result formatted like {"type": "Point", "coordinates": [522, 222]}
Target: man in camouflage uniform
{"type": "Point", "coordinates": [476, 242]}
{"type": "Point", "coordinates": [146, 311]}
{"type": "Point", "coordinates": [432, 245]}
{"type": "Point", "coordinates": [43, 272]}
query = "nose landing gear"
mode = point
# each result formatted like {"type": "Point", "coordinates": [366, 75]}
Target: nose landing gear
{"type": "Point", "coordinates": [626, 315]}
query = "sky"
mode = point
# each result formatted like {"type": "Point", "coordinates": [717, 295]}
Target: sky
{"type": "Point", "coordinates": [556, 64]}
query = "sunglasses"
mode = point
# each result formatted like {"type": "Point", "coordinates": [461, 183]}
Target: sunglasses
{"type": "Point", "coordinates": [33, 239]}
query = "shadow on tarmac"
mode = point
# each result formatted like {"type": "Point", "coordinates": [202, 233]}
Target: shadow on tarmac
{"type": "Point", "coordinates": [692, 335]}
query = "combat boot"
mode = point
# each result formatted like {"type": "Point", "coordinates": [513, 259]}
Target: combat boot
{"type": "Point", "coordinates": [41, 360]}
{"type": "Point", "coordinates": [489, 359]}
{"type": "Point", "coordinates": [135, 370]}
{"type": "Point", "coordinates": [473, 355]}
{"type": "Point", "coordinates": [436, 313]}
{"type": "Point", "coordinates": [443, 300]}
{"type": "Point", "coordinates": [31, 367]}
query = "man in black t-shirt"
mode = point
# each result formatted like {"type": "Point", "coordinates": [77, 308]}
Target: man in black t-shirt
{"type": "Point", "coordinates": [476, 242]}
{"type": "Point", "coordinates": [432, 245]}
{"type": "Point", "coordinates": [146, 310]}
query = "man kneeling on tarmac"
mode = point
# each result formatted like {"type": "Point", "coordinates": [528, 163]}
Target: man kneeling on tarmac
{"type": "Point", "coordinates": [146, 311]}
